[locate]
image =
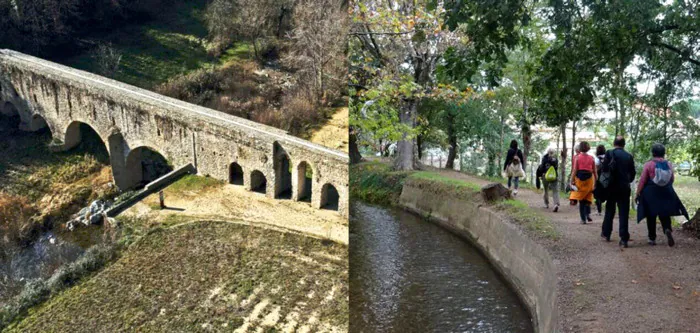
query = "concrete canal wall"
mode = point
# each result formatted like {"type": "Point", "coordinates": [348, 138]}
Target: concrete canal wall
{"type": "Point", "coordinates": [524, 263]}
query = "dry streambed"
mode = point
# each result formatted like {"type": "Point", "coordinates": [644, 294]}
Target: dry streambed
{"type": "Point", "coordinates": [209, 276]}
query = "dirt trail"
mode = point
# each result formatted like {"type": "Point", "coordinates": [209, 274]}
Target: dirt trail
{"type": "Point", "coordinates": [334, 134]}
{"type": "Point", "coordinates": [230, 202]}
{"type": "Point", "coordinates": [604, 288]}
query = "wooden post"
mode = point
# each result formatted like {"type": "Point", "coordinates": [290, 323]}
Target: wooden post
{"type": "Point", "coordinates": [161, 196]}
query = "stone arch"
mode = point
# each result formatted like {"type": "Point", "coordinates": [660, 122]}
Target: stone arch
{"type": "Point", "coordinates": [304, 181]}
{"type": "Point", "coordinates": [235, 174]}
{"type": "Point", "coordinates": [258, 182]}
{"type": "Point", "coordinates": [84, 135]}
{"type": "Point", "coordinates": [283, 172]}
{"type": "Point", "coordinates": [9, 116]}
{"type": "Point", "coordinates": [144, 165]}
{"type": "Point", "coordinates": [330, 199]}
{"type": "Point", "coordinates": [38, 123]}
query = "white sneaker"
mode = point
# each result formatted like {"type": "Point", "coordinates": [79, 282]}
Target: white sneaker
{"type": "Point", "coordinates": [515, 192]}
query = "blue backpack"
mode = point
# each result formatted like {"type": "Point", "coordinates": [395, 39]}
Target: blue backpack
{"type": "Point", "coordinates": [662, 174]}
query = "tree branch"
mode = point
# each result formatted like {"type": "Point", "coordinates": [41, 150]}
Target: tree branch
{"type": "Point", "coordinates": [678, 51]}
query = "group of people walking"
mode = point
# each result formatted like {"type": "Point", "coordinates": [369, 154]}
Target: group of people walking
{"type": "Point", "coordinates": [607, 177]}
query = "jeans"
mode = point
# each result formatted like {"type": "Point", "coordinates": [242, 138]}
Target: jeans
{"type": "Point", "coordinates": [554, 188]}
{"type": "Point", "coordinates": [584, 210]}
{"type": "Point", "coordinates": [651, 225]}
{"type": "Point", "coordinates": [620, 200]}
{"type": "Point", "coordinates": [599, 205]}
{"type": "Point", "coordinates": [517, 181]}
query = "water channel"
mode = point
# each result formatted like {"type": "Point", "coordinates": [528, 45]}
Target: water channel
{"type": "Point", "coordinates": [409, 275]}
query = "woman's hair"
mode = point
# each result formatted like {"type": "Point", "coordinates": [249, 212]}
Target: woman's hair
{"type": "Point", "coordinates": [584, 146]}
{"type": "Point", "coordinates": [658, 150]}
{"type": "Point", "coordinates": [514, 144]}
{"type": "Point", "coordinates": [600, 150]}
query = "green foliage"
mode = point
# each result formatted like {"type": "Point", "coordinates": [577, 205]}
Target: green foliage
{"type": "Point", "coordinates": [532, 220]}
{"type": "Point", "coordinates": [374, 182]}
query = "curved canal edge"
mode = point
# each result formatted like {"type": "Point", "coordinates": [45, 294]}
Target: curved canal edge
{"type": "Point", "coordinates": [525, 264]}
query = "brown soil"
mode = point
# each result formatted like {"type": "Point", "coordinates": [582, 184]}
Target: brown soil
{"type": "Point", "coordinates": [229, 202]}
{"type": "Point", "coordinates": [334, 134]}
{"type": "Point", "coordinates": [604, 288]}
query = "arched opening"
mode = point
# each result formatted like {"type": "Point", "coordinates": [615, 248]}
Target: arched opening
{"type": "Point", "coordinates": [283, 172]}
{"type": "Point", "coordinates": [329, 197]}
{"type": "Point", "coordinates": [258, 182]}
{"type": "Point", "coordinates": [145, 165]}
{"type": "Point", "coordinates": [235, 174]}
{"type": "Point", "coordinates": [9, 118]}
{"type": "Point", "coordinates": [38, 123]}
{"type": "Point", "coordinates": [83, 138]}
{"type": "Point", "coordinates": [304, 177]}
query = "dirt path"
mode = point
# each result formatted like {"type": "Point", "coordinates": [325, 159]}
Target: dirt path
{"type": "Point", "coordinates": [230, 202]}
{"type": "Point", "coordinates": [334, 134]}
{"type": "Point", "coordinates": [604, 288]}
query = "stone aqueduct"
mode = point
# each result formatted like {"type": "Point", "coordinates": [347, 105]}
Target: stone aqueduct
{"type": "Point", "coordinates": [129, 119]}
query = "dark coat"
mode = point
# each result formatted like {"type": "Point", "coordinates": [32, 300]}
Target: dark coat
{"type": "Point", "coordinates": [511, 154]}
{"type": "Point", "coordinates": [623, 174]}
{"type": "Point", "coordinates": [658, 200]}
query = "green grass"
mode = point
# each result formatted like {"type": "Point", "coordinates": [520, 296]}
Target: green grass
{"type": "Point", "coordinates": [456, 183]}
{"type": "Point", "coordinates": [152, 52]}
{"type": "Point", "coordinates": [194, 183]}
{"type": "Point", "coordinates": [374, 182]}
{"type": "Point", "coordinates": [533, 220]}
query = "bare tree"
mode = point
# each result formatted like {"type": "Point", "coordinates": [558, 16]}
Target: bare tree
{"type": "Point", "coordinates": [317, 49]}
{"type": "Point", "coordinates": [107, 59]}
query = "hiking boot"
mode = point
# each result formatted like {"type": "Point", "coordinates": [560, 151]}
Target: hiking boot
{"type": "Point", "coordinates": [607, 238]}
{"type": "Point", "coordinates": [556, 208]}
{"type": "Point", "coordinates": [671, 242]}
{"type": "Point", "coordinates": [623, 243]}
{"type": "Point", "coordinates": [583, 222]}
{"type": "Point", "coordinates": [652, 242]}
{"type": "Point", "coordinates": [589, 219]}
{"type": "Point", "coordinates": [515, 192]}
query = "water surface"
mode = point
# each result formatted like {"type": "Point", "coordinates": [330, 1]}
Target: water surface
{"type": "Point", "coordinates": [409, 275]}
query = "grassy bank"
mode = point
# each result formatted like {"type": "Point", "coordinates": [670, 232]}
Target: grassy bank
{"type": "Point", "coordinates": [375, 182]}
{"type": "Point", "coordinates": [204, 276]}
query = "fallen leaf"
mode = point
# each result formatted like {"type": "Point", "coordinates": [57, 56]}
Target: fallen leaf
{"type": "Point", "coordinates": [580, 284]}
{"type": "Point", "coordinates": [635, 281]}
{"type": "Point", "coordinates": [676, 287]}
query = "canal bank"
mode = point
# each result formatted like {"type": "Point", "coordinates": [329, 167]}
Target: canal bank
{"type": "Point", "coordinates": [455, 205]}
{"type": "Point", "coordinates": [600, 287]}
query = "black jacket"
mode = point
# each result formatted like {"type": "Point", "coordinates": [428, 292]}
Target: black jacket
{"type": "Point", "coordinates": [624, 171]}
{"type": "Point", "coordinates": [509, 157]}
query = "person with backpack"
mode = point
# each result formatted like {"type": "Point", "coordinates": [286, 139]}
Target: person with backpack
{"type": "Point", "coordinates": [598, 193]}
{"type": "Point", "coordinates": [617, 174]}
{"type": "Point", "coordinates": [549, 169]}
{"type": "Point", "coordinates": [583, 179]}
{"type": "Point", "coordinates": [656, 197]}
{"type": "Point", "coordinates": [512, 169]}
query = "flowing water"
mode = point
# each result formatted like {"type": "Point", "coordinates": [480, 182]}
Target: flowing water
{"type": "Point", "coordinates": [409, 275]}
{"type": "Point", "coordinates": [51, 250]}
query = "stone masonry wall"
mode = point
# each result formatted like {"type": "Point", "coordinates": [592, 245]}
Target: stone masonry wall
{"type": "Point", "coordinates": [126, 118]}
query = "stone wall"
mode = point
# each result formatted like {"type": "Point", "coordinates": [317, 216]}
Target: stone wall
{"type": "Point", "coordinates": [525, 264]}
{"type": "Point", "coordinates": [126, 118]}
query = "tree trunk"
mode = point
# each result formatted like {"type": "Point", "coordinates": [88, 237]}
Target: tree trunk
{"type": "Point", "coordinates": [419, 146]}
{"type": "Point", "coordinates": [573, 139]}
{"type": "Point", "coordinates": [526, 133]}
{"type": "Point", "coordinates": [452, 139]}
{"type": "Point", "coordinates": [355, 156]}
{"type": "Point", "coordinates": [562, 168]}
{"type": "Point", "coordinates": [500, 155]}
{"type": "Point", "coordinates": [406, 153]}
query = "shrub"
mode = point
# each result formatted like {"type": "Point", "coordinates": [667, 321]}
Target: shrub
{"type": "Point", "coordinates": [16, 220]}
{"type": "Point", "coordinates": [38, 291]}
